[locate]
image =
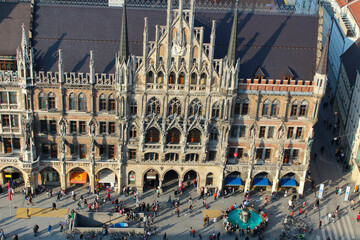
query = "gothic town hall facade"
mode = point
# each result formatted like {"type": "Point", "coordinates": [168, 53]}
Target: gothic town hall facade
{"type": "Point", "coordinates": [150, 97]}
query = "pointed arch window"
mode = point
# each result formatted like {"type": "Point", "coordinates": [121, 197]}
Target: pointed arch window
{"type": "Point", "coordinates": [294, 108]}
{"type": "Point", "coordinates": [203, 79]}
{"type": "Point", "coordinates": [153, 106]}
{"type": "Point", "coordinates": [237, 108]}
{"type": "Point", "coordinates": [214, 134]}
{"type": "Point", "coordinates": [193, 79]}
{"type": "Point", "coordinates": [42, 101]}
{"type": "Point", "coordinates": [102, 102]}
{"type": "Point", "coordinates": [173, 136]}
{"type": "Point", "coordinates": [133, 107]}
{"type": "Point", "coordinates": [51, 100]}
{"type": "Point", "coordinates": [82, 103]}
{"type": "Point", "coordinates": [266, 108]}
{"type": "Point", "coordinates": [152, 135]}
{"type": "Point", "coordinates": [245, 107]}
{"type": "Point", "coordinates": [181, 78]}
{"type": "Point", "coordinates": [275, 108]}
{"type": "Point", "coordinates": [172, 78]}
{"type": "Point", "coordinates": [194, 136]}
{"type": "Point", "coordinates": [150, 77]}
{"type": "Point", "coordinates": [160, 78]}
{"type": "Point", "coordinates": [72, 101]}
{"type": "Point", "coordinates": [195, 108]}
{"type": "Point", "coordinates": [216, 110]}
{"type": "Point", "coordinates": [132, 132]}
{"type": "Point", "coordinates": [174, 107]}
{"type": "Point", "coordinates": [303, 109]}
{"type": "Point", "coordinates": [111, 103]}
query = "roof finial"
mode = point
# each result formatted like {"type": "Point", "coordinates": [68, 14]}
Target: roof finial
{"type": "Point", "coordinates": [231, 55]}
{"type": "Point", "coordinates": [124, 44]}
{"type": "Point", "coordinates": [24, 39]}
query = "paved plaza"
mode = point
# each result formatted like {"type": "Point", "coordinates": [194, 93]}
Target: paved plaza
{"type": "Point", "coordinates": [325, 168]}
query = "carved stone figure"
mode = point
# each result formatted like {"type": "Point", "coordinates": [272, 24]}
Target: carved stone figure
{"type": "Point", "coordinates": [92, 129]}
{"type": "Point", "coordinates": [281, 132]}
{"type": "Point", "coordinates": [62, 128]}
{"type": "Point", "coordinates": [120, 154]}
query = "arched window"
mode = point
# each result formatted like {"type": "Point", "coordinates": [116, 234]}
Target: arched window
{"type": "Point", "coordinates": [193, 79]}
{"type": "Point", "coordinates": [266, 108]}
{"type": "Point", "coordinates": [160, 78]}
{"type": "Point", "coordinates": [294, 108]}
{"type": "Point", "coordinates": [42, 101]}
{"type": "Point", "coordinates": [111, 103]}
{"type": "Point", "coordinates": [172, 157]}
{"type": "Point", "coordinates": [209, 179]}
{"type": "Point", "coordinates": [132, 132]}
{"type": "Point", "coordinates": [131, 177]}
{"type": "Point", "coordinates": [181, 79]}
{"type": "Point", "coordinates": [82, 103]}
{"type": "Point", "coordinates": [245, 107]}
{"type": "Point", "coordinates": [102, 102]}
{"type": "Point", "coordinates": [150, 77]}
{"type": "Point", "coordinates": [152, 135]}
{"type": "Point", "coordinates": [237, 108]}
{"type": "Point", "coordinates": [214, 134]}
{"type": "Point", "coordinates": [153, 106]}
{"type": "Point", "coordinates": [216, 110]}
{"type": "Point", "coordinates": [51, 101]}
{"type": "Point", "coordinates": [72, 101]}
{"type": "Point", "coordinates": [194, 136]}
{"type": "Point", "coordinates": [195, 108]}
{"type": "Point", "coordinates": [173, 136]}
{"type": "Point", "coordinates": [303, 108]}
{"type": "Point", "coordinates": [174, 107]}
{"type": "Point", "coordinates": [151, 157]}
{"type": "Point", "coordinates": [133, 107]}
{"type": "Point", "coordinates": [203, 79]}
{"type": "Point", "coordinates": [192, 157]}
{"type": "Point", "coordinates": [172, 78]}
{"type": "Point", "coordinates": [275, 108]}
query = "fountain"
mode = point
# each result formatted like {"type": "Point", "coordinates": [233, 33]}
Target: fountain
{"type": "Point", "coordinates": [244, 217]}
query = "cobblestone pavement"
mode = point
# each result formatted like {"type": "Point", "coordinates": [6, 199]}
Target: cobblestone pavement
{"type": "Point", "coordinates": [325, 168]}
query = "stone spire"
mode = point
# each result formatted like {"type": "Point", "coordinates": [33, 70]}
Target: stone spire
{"type": "Point", "coordinates": [322, 66]}
{"type": "Point", "coordinates": [124, 43]}
{"type": "Point", "coordinates": [24, 39]}
{"type": "Point", "coordinates": [231, 55]}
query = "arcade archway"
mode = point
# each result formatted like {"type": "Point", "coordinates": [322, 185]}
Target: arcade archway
{"type": "Point", "coordinates": [48, 176]}
{"type": "Point", "coordinates": [233, 180]}
{"type": "Point", "coordinates": [171, 180]}
{"type": "Point", "coordinates": [11, 175]}
{"type": "Point", "coordinates": [151, 179]}
{"type": "Point", "coordinates": [77, 177]}
{"type": "Point", "coordinates": [190, 176]}
{"type": "Point", "coordinates": [262, 180]}
{"type": "Point", "coordinates": [106, 178]}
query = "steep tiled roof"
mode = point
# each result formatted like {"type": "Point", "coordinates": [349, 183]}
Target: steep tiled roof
{"type": "Point", "coordinates": [274, 42]}
{"type": "Point", "coordinates": [351, 61]}
{"type": "Point", "coordinates": [354, 9]}
{"type": "Point", "coordinates": [12, 16]}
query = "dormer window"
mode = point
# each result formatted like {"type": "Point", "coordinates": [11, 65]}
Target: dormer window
{"type": "Point", "coordinates": [259, 74]}
{"type": "Point", "coordinates": [288, 75]}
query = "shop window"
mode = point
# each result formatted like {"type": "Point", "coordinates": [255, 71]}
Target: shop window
{"type": "Point", "coordinates": [73, 127]}
{"type": "Point", "coordinates": [131, 177]}
{"type": "Point", "coordinates": [132, 154]}
{"type": "Point", "coordinates": [12, 97]}
{"type": "Point", "coordinates": [82, 127]}
{"type": "Point", "coordinates": [43, 126]}
{"type": "Point", "coordinates": [111, 127]}
{"type": "Point", "coordinates": [111, 151]}
{"type": "Point", "coordinates": [102, 128]}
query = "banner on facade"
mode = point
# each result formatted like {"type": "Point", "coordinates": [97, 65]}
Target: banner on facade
{"type": "Point", "coordinates": [347, 193]}
{"type": "Point", "coordinates": [78, 177]}
{"type": "Point", "coordinates": [321, 191]}
{"type": "Point", "coordinates": [107, 176]}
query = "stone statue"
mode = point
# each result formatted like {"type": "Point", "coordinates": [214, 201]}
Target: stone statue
{"type": "Point", "coordinates": [120, 153]}
{"type": "Point", "coordinates": [92, 129]}
{"type": "Point", "coordinates": [62, 128]}
{"type": "Point", "coordinates": [62, 149]}
{"type": "Point", "coordinates": [281, 132]}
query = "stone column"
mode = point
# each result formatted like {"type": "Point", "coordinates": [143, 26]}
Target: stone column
{"type": "Point", "coordinates": [160, 184]}
{"type": "Point", "coordinates": [63, 181]}
{"type": "Point", "coordinates": [92, 179]}
{"type": "Point", "coordinates": [2, 178]}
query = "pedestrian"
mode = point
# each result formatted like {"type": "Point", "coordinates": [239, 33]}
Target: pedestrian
{"type": "Point", "coordinates": [193, 233]}
{"type": "Point", "coordinates": [190, 208]}
{"type": "Point", "coordinates": [49, 230]}
{"type": "Point", "coordinates": [15, 237]}
{"type": "Point", "coordinates": [165, 237]}
{"type": "Point", "coordinates": [190, 231]}
{"type": "Point", "coordinates": [320, 224]}
{"type": "Point", "coordinates": [54, 206]}
{"type": "Point", "coordinates": [218, 236]}
{"type": "Point", "coordinates": [78, 206]}
{"type": "Point", "coordinates": [200, 237]}
{"type": "Point", "coordinates": [306, 212]}
{"type": "Point", "coordinates": [329, 217]}
{"type": "Point", "coordinates": [300, 211]}
{"type": "Point", "coordinates": [30, 201]}
{"type": "Point", "coordinates": [35, 229]}
{"type": "Point", "coordinates": [352, 204]}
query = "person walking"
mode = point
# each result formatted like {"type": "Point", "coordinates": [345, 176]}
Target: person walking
{"type": "Point", "coordinates": [177, 211]}
{"type": "Point", "coordinates": [320, 224]}
{"type": "Point", "coordinates": [49, 230]}
{"type": "Point", "coordinates": [352, 204]}
{"type": "Point", "coordinates": [27, 213]}
{"type": "Point", "coordinates": [329, 218]}
{"type": "Point", "coordinates": [35, 229]}
{"type": "Point", "coordinates": [193, 233]}
{"type": "Point", "coordinates": [15, 237]}
{"type": "Point", "coordinates": [79, 205]}
{"type": "Point", "coordinates": [54, 206]}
